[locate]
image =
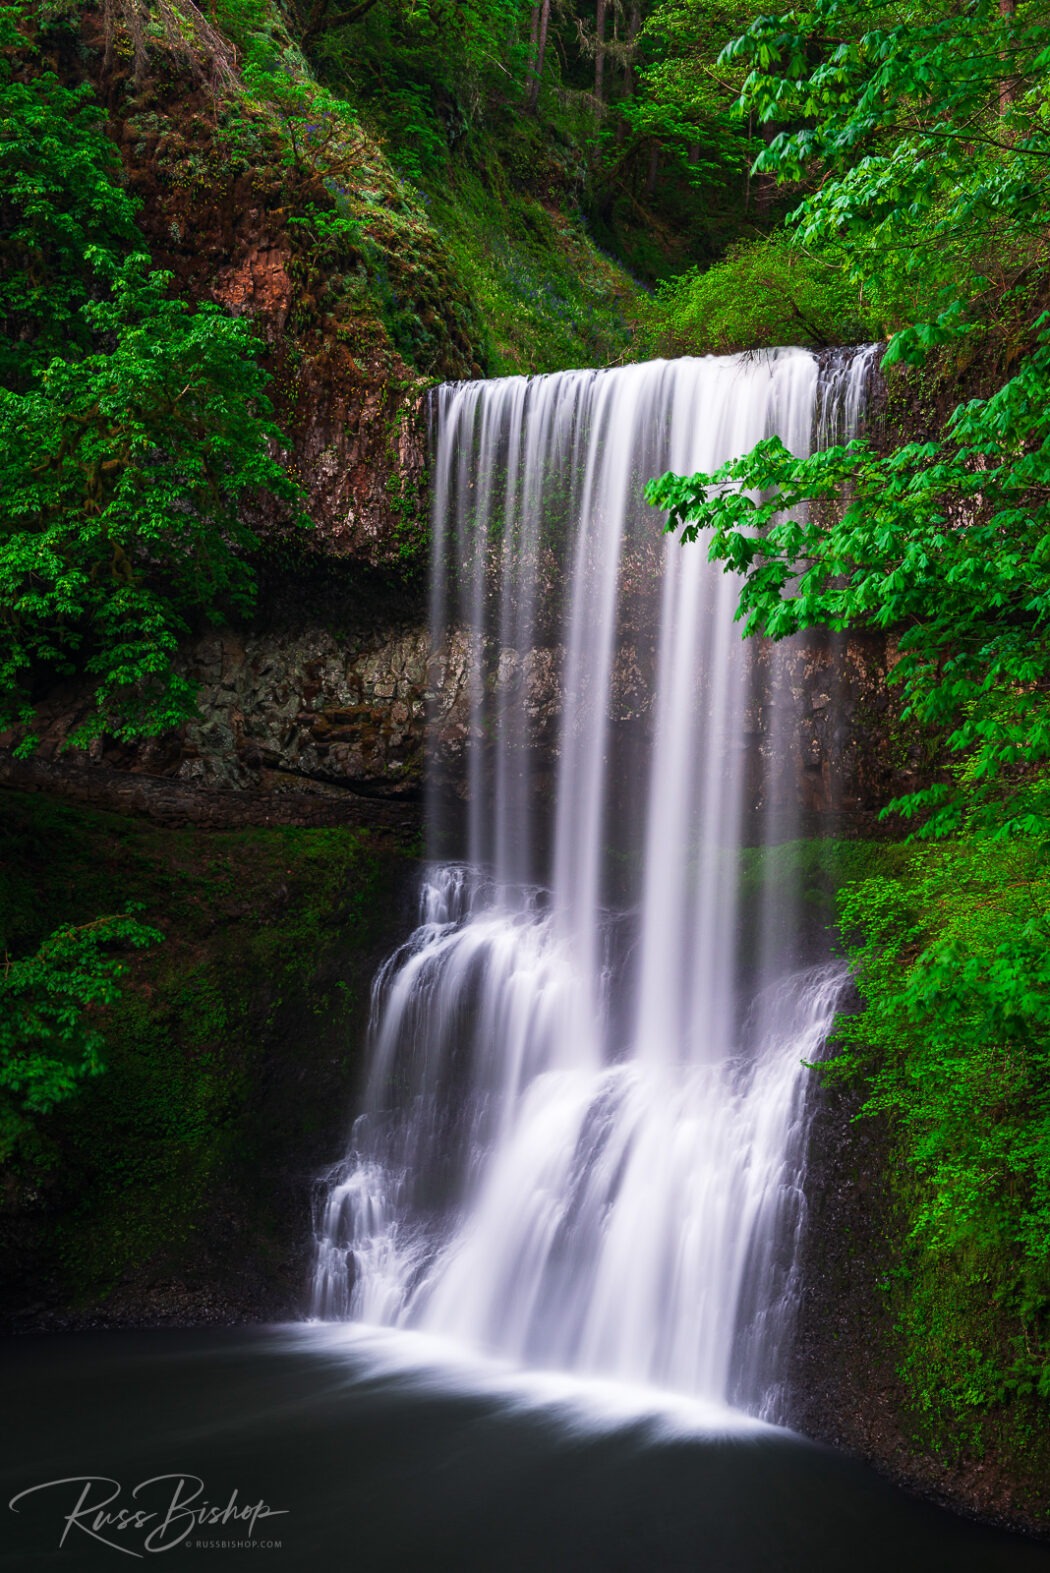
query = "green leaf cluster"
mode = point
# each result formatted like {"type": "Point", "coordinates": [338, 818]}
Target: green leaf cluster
{"type": "Point", "coordinates": [59, 205]}
{"type": "Point", "coordinates": [50, 1037]}
{"type": "Point", "coordinates": [929, 132]}
{"type": "Point", "coordinates": [135, 433]}
{"type": "Point", "coordinates": [684, 97]}
{"type": "Point", "coordinates": [952, 960]}
{"type": "Point", "coordinates": [925, 130]}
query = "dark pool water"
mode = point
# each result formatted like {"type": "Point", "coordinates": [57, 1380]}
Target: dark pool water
{"type": "Point", "coordinates": [375, 1455]}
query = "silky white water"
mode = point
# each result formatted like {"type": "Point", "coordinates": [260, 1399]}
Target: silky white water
{"type": "Point", "coordinates": [582, 1140]}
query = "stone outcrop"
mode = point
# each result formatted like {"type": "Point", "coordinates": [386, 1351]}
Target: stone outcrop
{"type": "Point", "coordinates": [303, 722]}
{"type": "Point", "coordinates": [304, 726]}
{"type": "Point", "coordinates": [334, 261]}
{"type": "Point", "coordinates": [309, 706]}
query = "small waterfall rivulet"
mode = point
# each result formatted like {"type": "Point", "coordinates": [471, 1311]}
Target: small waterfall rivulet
{"type": "Point", "coordinates": [583, 1132]}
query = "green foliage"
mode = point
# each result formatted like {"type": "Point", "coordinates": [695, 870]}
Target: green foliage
{"type": "Point", "coordinates": [448, 87]}
{"type": "Point", "coordinates": [230, 1052]}
{"type": "Point", "coordinates": [133, 432]}
{"type": "Point", "coordinates": [684, 99]}
{"type": "Point", "coordinates": [682, 113]}
{"type": "Point", "coordinates": [672, 178]}
{"type": "Point", "coordinates": [60, 207]}
{"type": "Point", "coordinates": [921, 138]}
{"type": "Point", "coordinates": [931, 138]}
{"type": "Point", "coordinates": [425, 69]}
{"type": "Point", "coordinates": [317, 127]}
{"type": "Point", "coordinates": [765, 292]}
{"type": "Point", "coordinates": [927, 131]}
{"type": "Point", "coordinates": [50, 1040]}
{"type": "Point", "coordinates": [455, 229]}
{"type": "Point", "coordinates": [952, 960]}
{"type": "Point", "coordinates": [248, 24]}
{"type": "Point", "coordinates": [333, 237]}
{"type": "Point", "coordinates": [125, 475]}
{"type": "Point", "coordinates": [549, 299]}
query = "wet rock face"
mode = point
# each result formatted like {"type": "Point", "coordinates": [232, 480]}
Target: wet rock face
{"type": "Point", "coordinates": [309, 705]}
{"type": "Point", "coordinates": [827, 724]}
{"type": "Point", "coordinates": [845, 1381]}
{"type": "Point", "coordinates": [226, 211]}
{"type": "Point", "coordinates": [361, 455]}
{"type": "Point", "coordinates": [285, 714]}
{"type": "Point", "coordinates": [356, 706]}
{"type": "Point", "coordinates": [259, 283]}
{"type": "Point", "coordinates": [822, 724]}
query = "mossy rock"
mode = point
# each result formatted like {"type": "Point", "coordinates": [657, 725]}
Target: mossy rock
{"type": "Point", "coordinates": [177, 1185]}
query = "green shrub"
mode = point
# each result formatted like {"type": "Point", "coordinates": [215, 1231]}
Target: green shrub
{"type": "Point", "coordinates": [766, 292]}
{"type": "Point", "coordinates": [132, 429]}
{"type": "Point", "coordinates": [50, 1040]}
{"type": "Point", "coordinates": [952, 959]}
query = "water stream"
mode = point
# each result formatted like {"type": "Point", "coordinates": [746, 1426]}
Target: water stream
{"type": "Point", "coordinates": [583, 1136]}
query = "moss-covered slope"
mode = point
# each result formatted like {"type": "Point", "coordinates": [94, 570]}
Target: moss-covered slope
{"type": "Point", "coordinates": [177, 1184]}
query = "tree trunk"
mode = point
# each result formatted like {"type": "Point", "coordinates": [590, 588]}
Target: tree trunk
{"type": "Point", "coordinates": [530, 69]}
{"type": "Point", "coordinates": [599, 52]}
{"type": "Point", "coordinates": [541, 50]}
{"type": "Point", "coordinates": [633, 24]}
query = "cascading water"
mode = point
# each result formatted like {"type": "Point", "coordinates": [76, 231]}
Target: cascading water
{"type": "Point", "coordinates": [583, 1130]}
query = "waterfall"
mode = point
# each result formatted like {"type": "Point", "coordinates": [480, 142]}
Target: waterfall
{"type": "Point", "coordinates": [582, 1139]}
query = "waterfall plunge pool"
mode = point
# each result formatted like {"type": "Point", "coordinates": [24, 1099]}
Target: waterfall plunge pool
{"type": "Point", "coordinates": [388, 1453]}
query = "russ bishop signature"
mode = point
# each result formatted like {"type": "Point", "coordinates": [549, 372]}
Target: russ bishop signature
{"type": "Point", "coordinates": [162, 1513]}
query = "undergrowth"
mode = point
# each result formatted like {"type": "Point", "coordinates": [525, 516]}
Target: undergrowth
{"type": "Point", "coordinates": [230, 1053]}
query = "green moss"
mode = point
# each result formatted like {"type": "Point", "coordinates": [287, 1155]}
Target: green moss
{"type": "Point", "coordinates": [231, 1056]}
{"type": "Point", "coordinates": [957, 1176]}
{"type": "Point", "coordinates": [814, 869]}
{"type": "Point", "coordinates": [409, 501]}
{"type": "Point", "coordinates": [548, 297]}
